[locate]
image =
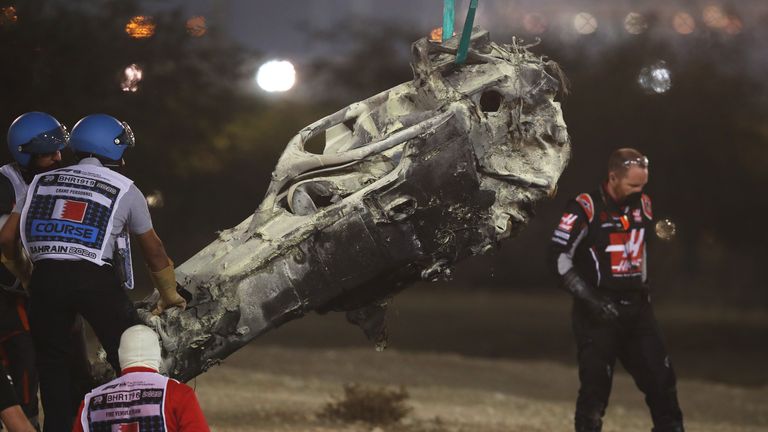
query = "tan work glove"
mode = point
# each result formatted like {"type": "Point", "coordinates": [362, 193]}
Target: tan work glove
{"type": "Point", "coordinates": [165, 282]}
{"type": "Point", "coordinates": [21, 267]}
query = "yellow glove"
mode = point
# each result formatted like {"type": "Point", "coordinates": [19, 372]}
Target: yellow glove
{"type": "Point", "coordinates": [165, 282]}
{"type": "Point", "coordinates": [21, 267]}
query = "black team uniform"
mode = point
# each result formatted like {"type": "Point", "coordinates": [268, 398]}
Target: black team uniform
{"type": "Point", "coordinates": [17, 351]}
{"type": "Point", "coordinates": [598, 250]}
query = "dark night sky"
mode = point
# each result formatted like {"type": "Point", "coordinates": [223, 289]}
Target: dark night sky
{"type": "Point", "coordinates": [271, 26]}
{"type": "Point", "coordinates": [278, 28]}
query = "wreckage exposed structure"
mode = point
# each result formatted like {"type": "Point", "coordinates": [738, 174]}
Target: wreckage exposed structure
{"type": "Point", "coordinates": [410, 181]}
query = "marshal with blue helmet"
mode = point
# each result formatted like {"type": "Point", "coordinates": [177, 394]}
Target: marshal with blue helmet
{"type": "Point", "coordinates": [35, 133]}
{"type": "Point", "coordinates": [102, 136]}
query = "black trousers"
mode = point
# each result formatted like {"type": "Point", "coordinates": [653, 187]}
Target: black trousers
{"type": "Point", "coordinates": [18, 354]}
{"type": "Point", "coordinates": [635, 339]}
{"type": "Point", "coordinates": [17, 350]}
{"type": "Point", "coordinates": [59, 291]}
{"type": "Point", "coordinates": [7, 393]}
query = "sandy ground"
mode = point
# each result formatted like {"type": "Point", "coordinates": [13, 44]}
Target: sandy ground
{"type": "Point", "coordinates": [282, 389]}
{"type": "Point", "coordinates": [482, 363]}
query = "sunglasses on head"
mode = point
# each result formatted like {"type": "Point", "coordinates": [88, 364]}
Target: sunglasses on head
{"type": "Point", "coordinates": [641, 161]}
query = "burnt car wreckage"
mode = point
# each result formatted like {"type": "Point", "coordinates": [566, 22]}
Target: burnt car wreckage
{"type": "Point", "coordinates": [411, 181]}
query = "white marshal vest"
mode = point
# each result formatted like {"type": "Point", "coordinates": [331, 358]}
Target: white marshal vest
{"type": "Point", "coordinates": [135, 402]}
{"type": "Point", "coordinates": [69, 213]}
{"type": "Point", "coordinates": [11, 171]}
{"type": "Point", "coordinates": [17, 181]}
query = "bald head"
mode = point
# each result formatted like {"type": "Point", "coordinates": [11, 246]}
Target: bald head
{"type": "Point", "coordinates": [627, 173]}
{"type": "Point", "coordinates": [622, 159]}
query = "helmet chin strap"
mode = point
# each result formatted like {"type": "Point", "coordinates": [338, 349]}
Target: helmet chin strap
{"type": "Point", "coordinates": [108, 163]}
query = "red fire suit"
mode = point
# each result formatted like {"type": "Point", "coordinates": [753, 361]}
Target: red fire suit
{"type": "Point", "coordinates": [180, 407]}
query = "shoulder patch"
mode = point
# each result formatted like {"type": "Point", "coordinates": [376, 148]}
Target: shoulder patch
{"type": "Point", "coordinates": [586, 203]}
{"type": "Point", "coordinates": [647, 208]}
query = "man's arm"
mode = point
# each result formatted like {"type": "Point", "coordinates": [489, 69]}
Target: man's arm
{"type": "Point", "coordinates": [11, 257]}
{"type": "Point", "coordinates": [161, 267]}
{"type": "Point", "coordinates": [153, 250]}
{"type": "Point", "coordinates": [77, 426]}
{"type": "Point", "coordinates": [566, 238]}
{"type": "Point", "coordinates": [161, 271]}
{"type": "Point", "coordinates": [186, 409]}
{"type": "Point", "coordinates": [9, 236]}
{"type": "Point", "coordinates": [15, 420]}
{"type": "Point", "coordinates": [649, 232]}
{"type": "Point", "coordinates": [10, 412]}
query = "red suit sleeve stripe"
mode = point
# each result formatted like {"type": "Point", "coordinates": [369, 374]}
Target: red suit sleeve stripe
{"type": "Point", "coordinates": [647, 207]}
{"type": "Point", "coordinates": [22, 313]}
{"type": "Point", "coordinates": [586, 203]}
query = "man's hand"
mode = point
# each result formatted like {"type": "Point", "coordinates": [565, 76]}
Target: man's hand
{"type": "Point", "coordinates": [605, 309]}
{"type": "Point", "coordinates": [165, 282]}
{"type": "Point", "coordinates": [162, 305]}
{"type": "Point", "coordinates": [599, 305]}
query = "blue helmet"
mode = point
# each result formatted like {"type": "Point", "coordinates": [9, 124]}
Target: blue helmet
{"type": "Point", "coordinates": [101, 135]}
{"type": "Point", "coordinates": [35, 133]}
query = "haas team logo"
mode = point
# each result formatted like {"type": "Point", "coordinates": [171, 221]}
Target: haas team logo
{"type": "Point", "coordinates": [627, 250]}
{"type": "Point", "coordinates": [567, 221]}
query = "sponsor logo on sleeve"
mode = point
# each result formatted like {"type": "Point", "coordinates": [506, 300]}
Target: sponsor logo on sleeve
{"type": "Point", "coordinates": [567, 221]}
{"type": "Point", "coordinates": [585, 201]}
{"type": "Point", "coordinates": [647, 208]}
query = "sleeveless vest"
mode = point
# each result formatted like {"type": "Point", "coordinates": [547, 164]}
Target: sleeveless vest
{"type": "Point", "coordinates": [8, 281]}
{"type": "Point", "coordinates": [135, 402]}
{"type": "Point", "coordinates": [19, 185]}
{"type": "Point", "coordinates": [69, 213]}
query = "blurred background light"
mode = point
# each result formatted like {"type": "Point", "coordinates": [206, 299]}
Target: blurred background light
{"type": "Point", "coordinates": [131, 77]}
{"type": "Point", "coordinates": [8, 15]}
{"type": "Point", "coordinates": [666, 229]}
{"type": "Point", "coordinates": [585, 23]}
{"type": "Point", "coordinates": [276, 76]}
{"type": "Point", "coordinates": [140, 27]}
{"type": "Point", "coordinates": [734, 26]}
{"type": "Point", "coordinates": [683, 23]}
{"type": "Point", "coordinates": [635, 23]}
{"type": "Point", "coordinates": [656, 78]}
{"type": "Point", "coordinates": [713, 16]}
{"type": "Point", "coordinates": [535, 23]}
{"type": "Point", "coordinates": [196, 26]}
{"type": "Point", "coordinates": [155, 199]}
